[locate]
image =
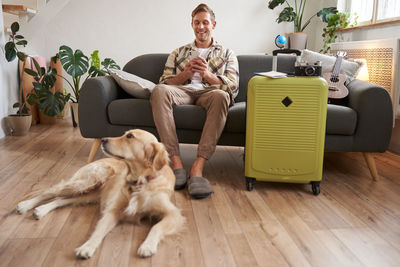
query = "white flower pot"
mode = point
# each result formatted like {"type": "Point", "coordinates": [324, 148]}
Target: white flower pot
{"type": "Point", "coordinates": [297, 40]}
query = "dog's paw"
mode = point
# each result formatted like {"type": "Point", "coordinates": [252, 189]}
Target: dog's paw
{"type": "Point", "coordinates": [38, 213]}
{"type": "Point", "coordinates": [23, 207]}
{"type": "Point", "coordinates": [132, 207]}
{"type": "Point", "coordinates": [85, 251]}
{"type": "Point", "coordinates": [147, 249]}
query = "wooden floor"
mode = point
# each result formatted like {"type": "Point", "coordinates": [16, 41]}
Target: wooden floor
{"type": "Point", "coordinates": [353, 222]}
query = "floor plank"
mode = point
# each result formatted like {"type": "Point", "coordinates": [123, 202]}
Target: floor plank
{"type": "Point", "coordinates": [353, 222]}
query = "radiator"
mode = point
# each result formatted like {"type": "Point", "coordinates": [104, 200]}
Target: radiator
{"type": "Point", "coordinates": [383, 59]}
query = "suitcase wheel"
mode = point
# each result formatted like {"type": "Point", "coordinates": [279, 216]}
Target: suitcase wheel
{"type": "Point", "coordinates": [315, 188]}
{"type": "Point", "coordinates": [250, 183]}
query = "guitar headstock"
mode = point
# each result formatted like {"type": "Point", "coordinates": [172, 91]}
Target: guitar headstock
{"type": "Point", "coordinates": [341, 54]}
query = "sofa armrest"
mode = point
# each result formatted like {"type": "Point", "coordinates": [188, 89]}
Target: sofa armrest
{"type": "Point", "coordinates": [374, 116]}
{"type": "Point", "coordinates": [95, 96]}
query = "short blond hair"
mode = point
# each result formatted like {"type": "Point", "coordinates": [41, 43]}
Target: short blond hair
{"type": "Point", "coordinates": [203, 8]}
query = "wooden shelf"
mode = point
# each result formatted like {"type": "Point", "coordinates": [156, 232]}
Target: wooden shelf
{"type": "Point", "coordinates": [18, 10]}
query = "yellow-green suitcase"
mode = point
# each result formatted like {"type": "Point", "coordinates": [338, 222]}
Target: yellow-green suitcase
{"type": "Point", "coordinates": [285, 130]}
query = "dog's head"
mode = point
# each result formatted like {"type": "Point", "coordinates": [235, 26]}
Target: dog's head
{"type": "Point", "coordinates": [137, 145]}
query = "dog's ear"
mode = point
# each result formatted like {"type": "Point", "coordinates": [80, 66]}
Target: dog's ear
{"type": "Point", "coordinates": [160, 156]}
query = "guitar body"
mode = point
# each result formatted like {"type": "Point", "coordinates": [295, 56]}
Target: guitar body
{"type": "Point", "coordinates": [337, 89]}
{"type": "Point", "coordinates": [336, 80]}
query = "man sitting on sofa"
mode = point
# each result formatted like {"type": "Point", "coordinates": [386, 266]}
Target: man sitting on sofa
{"type": "Point", "coordinates": [203, 73]}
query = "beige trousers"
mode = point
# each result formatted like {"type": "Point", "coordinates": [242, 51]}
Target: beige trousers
{"type": "Point", "coordinates": [215, 102]}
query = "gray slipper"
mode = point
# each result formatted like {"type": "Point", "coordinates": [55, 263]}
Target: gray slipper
{"type": "Point", "coordinates": [180, 178]}
{"type": "Point", "coordinates": [199, 187]}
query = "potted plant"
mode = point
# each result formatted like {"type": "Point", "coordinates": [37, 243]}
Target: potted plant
{"type": "Point", "coordinates": [21, 121]}
{"type": "Point", "coordinates": [298, 39]}
{"type": "Point", "coordinates": [76, 64]}
{"type": "Point", "coordinates": [336, 22]}
{"type": "Point", "coordinates": [50, 103]}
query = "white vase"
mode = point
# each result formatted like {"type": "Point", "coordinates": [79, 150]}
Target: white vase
{"type": "Point", "coordinates": [298, 40]}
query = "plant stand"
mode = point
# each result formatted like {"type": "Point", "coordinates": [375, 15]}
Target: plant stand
{"type": "Point", "coordinates": [74, 114]}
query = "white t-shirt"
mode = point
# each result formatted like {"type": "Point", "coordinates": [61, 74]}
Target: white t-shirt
{"type": "Point", "coordinates": [196, 79]}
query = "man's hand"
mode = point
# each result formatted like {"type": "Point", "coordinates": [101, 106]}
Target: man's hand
{"type": "Point", "coordinates": [182, 77]}
{"type": "Point", "coordinates": [199, 65]}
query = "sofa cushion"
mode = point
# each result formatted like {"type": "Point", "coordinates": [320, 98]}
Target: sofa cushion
{"type": "Point", "coordinates": [137, 112]}
{"type": "Point", "coordinates": [348, 67]}
{"type": "Point", "coordinates": [340, 120]}
{"type": "Point", "coordinates": [133, 84]}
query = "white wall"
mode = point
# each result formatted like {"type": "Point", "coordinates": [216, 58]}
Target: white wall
{"type": "Point", "coordinates": [8, 82]}
{"type": "Point", "coordinates": [124, 29]}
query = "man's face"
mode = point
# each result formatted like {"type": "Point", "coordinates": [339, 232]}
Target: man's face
{"type": "Point", "coordinates": [203, 26]}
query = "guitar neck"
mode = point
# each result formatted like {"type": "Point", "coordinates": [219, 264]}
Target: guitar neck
{"type": "Point", "coordinates": [338, 64]}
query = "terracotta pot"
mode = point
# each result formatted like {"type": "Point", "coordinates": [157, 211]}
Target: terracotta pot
{"type": "Point", "coordinates": [44, 119]}
{"type": "Point", "coordinates": [74, 113]}
{"type": "Point", "coordinates": [297, 40]}
{"type": "Point", "coordinates": [19, 124]}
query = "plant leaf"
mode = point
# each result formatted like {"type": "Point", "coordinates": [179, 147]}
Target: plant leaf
{"type": "Point", "coordinates": [14, 27]}
{"type": "Point", "coordinates": [325, 13]}
{"type": "Point", "coordinates": [31, 72]}
{"type": "Point", "coordinates": [274, 3]}
{"type": "Point", "coordinates": [19, 37]}
{"type": "Point", "coordinates": [11, 55]}
{"type": "Point", "coordinates": [109, 63]}
{"type": "Point", "coordinates": [287, 15]}
{"type": "Point", "coordinates": [95, 59]}
{"type": "Point", "coordinates": [94, 72]}
{"type": "Point", "coordinates": [49, 79]}
{"type": "Point", "coordinates": [51, 104]}
{"type": "Point", "coordinates": [32, 98]}
{"type": "Point", "coordinates": [22, 42]}
{"type": "Point", "coordinates": [54, 59]}
{"type": "Point", "coordinates": [74, 63]}
{"type": "Point", "coordinates": [21, 56]}
{"type": "Point", "coordinates": [37, 67]}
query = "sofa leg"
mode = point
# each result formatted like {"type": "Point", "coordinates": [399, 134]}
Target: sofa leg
{"type": "Point", "coordinates": [94, 149]}
{"type": "Point", "coordinates": [369, 158]}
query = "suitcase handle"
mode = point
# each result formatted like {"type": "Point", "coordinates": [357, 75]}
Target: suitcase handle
{"type": "Point", "coordinates": [286, 51]}
{"type": "Point", "coordinates": [283, 51]}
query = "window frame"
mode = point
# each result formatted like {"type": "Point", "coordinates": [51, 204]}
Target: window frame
{"type": "Point", "coordinates": [374, 20]}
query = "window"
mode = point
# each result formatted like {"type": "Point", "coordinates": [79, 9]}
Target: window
{"type": "Point", "coordinates": [371, 11]}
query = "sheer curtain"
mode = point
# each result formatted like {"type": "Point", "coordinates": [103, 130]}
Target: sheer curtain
{"type": "Point", "coordinates": [363, 8]}
{"type": "Point", "coordinates": [388, 9]}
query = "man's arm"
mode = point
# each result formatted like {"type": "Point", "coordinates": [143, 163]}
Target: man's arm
{"type": "Point", "coordinates": [182, 77]}
{"type": "Point", "coordinates": [169, 75]}
{"type": "Point", "coordinates": [230, 77]}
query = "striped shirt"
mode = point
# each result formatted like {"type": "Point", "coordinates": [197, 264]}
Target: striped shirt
{"type": "Point", "coordinates": [221, 62]}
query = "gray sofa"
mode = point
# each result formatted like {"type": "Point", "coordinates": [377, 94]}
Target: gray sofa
{"type": "Point", "coordinates": [105, 110]}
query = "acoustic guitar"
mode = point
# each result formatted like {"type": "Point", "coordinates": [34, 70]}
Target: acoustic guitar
{"type": "Point", "coordinates": [336, 80]}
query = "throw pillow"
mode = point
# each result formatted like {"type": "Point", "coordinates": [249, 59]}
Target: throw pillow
{"type": "Point", "coordinates": [348, 67]}
{"type": "Point", "coordinates": [132, 84]}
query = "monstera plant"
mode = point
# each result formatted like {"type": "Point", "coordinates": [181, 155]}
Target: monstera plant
{"type": "Point", "coordinates": [294, 13]}
{"type": "Point", "coordinates": [77, 65]}
{"type": "Point", "coordinates": [49, 102]}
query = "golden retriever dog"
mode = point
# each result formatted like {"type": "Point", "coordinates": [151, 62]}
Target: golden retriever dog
{"type": "Point", "coordinates": [136, 181]}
